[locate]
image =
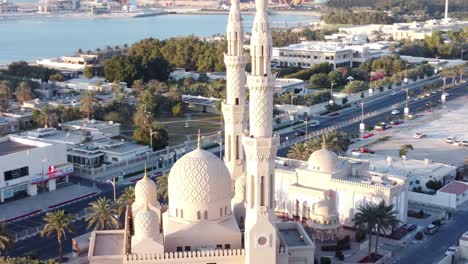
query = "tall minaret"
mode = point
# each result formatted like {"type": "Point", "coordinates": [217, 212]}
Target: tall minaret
{"type": "Point", "coordinates": [234, 106]}
{"type": "Point", "coordinates": [446, 11]}
{"type": "Point", "coordinates": [260, 146]}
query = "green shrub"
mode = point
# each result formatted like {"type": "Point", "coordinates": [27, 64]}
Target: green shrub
{"type": "Point", "coordinates": [419, 235]}
{"type": "Point", "coordinates": [325, 260]}
{"type": "Point", "coordinates": [360, 236]}
{"type": "Point", "coordinates": [339, 255]}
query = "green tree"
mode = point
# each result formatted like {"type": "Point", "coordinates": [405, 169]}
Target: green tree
{"type": "Point", "coordinates": [386, 221]}
{"type": "Point", "coordinates": [178, 109]}
{"type": "Point", "coordinates": [46, 117]}
{"type": "Point", "coordinates": [355, 87]}
{"type": "Point", "coordinates": [5, 95]}
{"type": "Point", "coordinates": [56, 77]}
{"type": "Point", "coordinates": [336, 78]}
{"type": "Point", "coordinates": [162, 184]}
{"type": "Point", "coordinates": [335, 141]}
{"type": "Point", "coordinates": [6, 239]}
{"type": "Point", "coordinates": [299, 151]}
{"type": "Point", "coordinates": [23, 92]}
{"type": "Point", "coordinates": [102, 215]}
{"type": "Point", "coordinates": [434, 185]}
{"type": "Point", "coordinates": [404, 149]}
{"type": "Point", "coordinates": [141, 118]}
{"type": "Point", "coordinates": [87, 105]}
{"type": "Point", "coordinates": [127, 198]}
{"type": "Point", "coordinates": [88, 72]}
{"type": "Point", "coordinates": [365, 220]}
{"type": "Point", "coordinates": [320, 80]}
{"type": "Point", "coordinates": [58, 223]}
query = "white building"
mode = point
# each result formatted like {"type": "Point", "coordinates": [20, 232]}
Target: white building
{"type": "Point", "coordinates": [337, 54]}
{"type": "Point", "coordinates": [284, 85]}
{"type": "Point", "coordinates": [8, 7]}
{"type": "Point", "coordinates": [94, 126]}
{"type": "Point", "coordinates": [333, 188]}
{"type": "Point", "coordinates": [28, 167]}
{"type": "Point", "coordinates": [460, 255]}
{"type": "Point", "coordinates": [419, 30]}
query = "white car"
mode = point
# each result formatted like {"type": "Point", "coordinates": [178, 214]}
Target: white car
{"type": "Point", "coordinates": [465, 143]}
{"type": "Point", "coordinates": [457, 142]}
{"type": "Point", "coordinates": [450, 140]}
{"type": "Point", "coordinates": [419, 135]}
{"type": "Point", "coordinates": [395, 112]}
{"type": "Point", "coordinates": [451, 251]}
{"type": "Point", "coordinates": [393, 93]}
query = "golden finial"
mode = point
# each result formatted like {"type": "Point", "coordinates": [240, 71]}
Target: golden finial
{"type": "Point", "coordinates": [146, 175]}
{"type": "Point", "coordinates": [199, 139]}
{"type": "Point", "coordinates": [324, 142]}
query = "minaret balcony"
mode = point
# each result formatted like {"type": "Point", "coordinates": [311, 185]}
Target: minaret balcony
{"type": "Point", "coordinates": [260, 82]}
{"type": "Point", "coordinates": [240, 60]}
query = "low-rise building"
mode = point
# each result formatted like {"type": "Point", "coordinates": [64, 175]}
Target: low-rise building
{"type": "Point", "coordinates": [69, 62]}
{"type": "Point", "coordinates": [457, 254]}
{"type": "Point", "coordinates": [337, 54]}
{"type": "Point", "coordinates": [8, 125]}
{"type": "Point", "coordinates": [419, 30]}
{"type": "Point", "coordinates": [284, 85]}
{"type": "Point", "coordinates": [28, 167]}
{"type": "Point", "coordinates": [8, 7]}
{"type": "Point", "coordinates": [201, 104]}
{"type": "Point", "coordinates": [24, 117]}
{"type": "Point", "coordinates": [93, 126]}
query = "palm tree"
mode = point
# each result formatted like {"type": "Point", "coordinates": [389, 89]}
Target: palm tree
{"type": "Point", "coordinates": [299, 152]}
{"type": "Point", "coordinates": [23, 92]}
{"type": "Point", "coordinates": [141, 118]}
{"type": "Point", "coordinates": [5, 89]}
{"type": "Point", "coordinates": [127, 198]}
{"type": "Point", "coordinates": [386, 221]}
{"type": "Point", "coordinates": [404, 149]}
{"type": "Point", "coordinates": [58, 223]}
{"type": "Point", "coordinates": [461, 71]}
{"type": "Point", "coordinates": [365, 220]}
{"type": "Point", "coordinates": [87, 104]}
{"type": "Point", "coordinates": [102, 215]}
{"type": "Point", "coordinates": [6, 239]}
{"type": "Point", "coordinates": [47, 117]}
{"type": "Point", "coordinates": [335, 141]}
{"type": "Point", "coordinates": [162, 183]}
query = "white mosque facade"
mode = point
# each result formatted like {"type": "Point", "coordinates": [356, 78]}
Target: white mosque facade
{"type": "Point", "coordinates": [226, 212]}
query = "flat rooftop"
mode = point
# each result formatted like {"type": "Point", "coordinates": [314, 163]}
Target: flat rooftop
{"type": "Point", "coordinates": [9, 147]}
{"type": "Point", "coordinates": [292, 237]}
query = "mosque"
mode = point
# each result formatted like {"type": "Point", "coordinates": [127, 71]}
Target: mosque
{"type": "Point", "coordinates": [225, 212]}
{"type": "Point", "coordinates": [205, 221]}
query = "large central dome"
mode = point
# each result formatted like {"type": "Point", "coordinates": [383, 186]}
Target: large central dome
{"type": "Point", "coordinates": [323, 160]}
{"type": "Point", "coordinates": [199, 187]}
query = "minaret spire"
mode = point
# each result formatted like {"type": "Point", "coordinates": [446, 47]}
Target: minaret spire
{"type": "Point", "coordinates": [260, 146]}
{"type": "Point", "coordinates": [234, 107]}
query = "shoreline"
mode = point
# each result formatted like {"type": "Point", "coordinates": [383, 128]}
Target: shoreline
{"type": "Point", "coordinates": [33, 16]}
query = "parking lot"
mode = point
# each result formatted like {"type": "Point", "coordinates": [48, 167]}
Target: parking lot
{"type": "Point", "coordinates": [437, 126]}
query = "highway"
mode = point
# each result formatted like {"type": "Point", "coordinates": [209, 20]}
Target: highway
{"type": "Point", "coordinates": [45, 248]}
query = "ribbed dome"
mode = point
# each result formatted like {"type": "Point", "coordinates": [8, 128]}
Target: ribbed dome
{"type": "Point", "coordinates": [145, 191]}
{"type": "Point", "coordinates": [146, 223]}
{"type": "Point", "coordinates": [323, 160]}
{"type": "Point", "coordinates": [199, 181]}
{"type": "Point", "coordinates": [324, 208]}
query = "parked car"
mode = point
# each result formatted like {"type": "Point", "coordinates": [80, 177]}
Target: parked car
{"type": "Point", "coordinates": [411, 228]}
{"type": "Point", "coordinates": [368, 135]}
{"type": "Point", "coordinates": [457, 142]}
{"type": "Point", "coordinates": [450, 140]}
{"type": "Point", "coordinates": [396, 123]}
{"type": "Point", "coordinates": [465, 143]}
{"type": "Point", "coordinates": [299, 133]}
{"type": "Point", "coordinates": [393, 93]}
{"type": "Point", "coordinates": [381, 126]}
{"type": "Point", "coordinates": [419, 135]}
{"type": "Point", "coordinates": [363, 150]}
{"type": "Point", "coordinates": [451, 251]}
{"type": "Point", "coordinates": [431, 229]}
{"type": "Point", "coordinates": [395, 112]}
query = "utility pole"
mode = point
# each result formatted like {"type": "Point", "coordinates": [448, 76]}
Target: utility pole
{"type": "Point", "coordinates": [405, 80]}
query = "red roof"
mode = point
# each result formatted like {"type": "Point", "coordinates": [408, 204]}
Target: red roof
{"type": "Point", "coordinates": [455, 187]}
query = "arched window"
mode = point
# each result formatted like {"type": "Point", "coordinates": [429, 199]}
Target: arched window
{"type": "Point", "coordinates": [181, 213]}
{"type": "Point", "coordinates": [272, 192]}
{"type": "Point", "coordinates": [229, 148]}
{"type": "Point", "coordinates": [198, 215]}
{"type": "Point", "coordinates": [225, 210]}
{"type": "Point", "coordinates": [205, 215]}
{"type": "Point", "coordinates": [177, 212]}
{"type": "Point", "coordinates": [237, 148]}
{"type": "Point", "coordinates": [220, 211]}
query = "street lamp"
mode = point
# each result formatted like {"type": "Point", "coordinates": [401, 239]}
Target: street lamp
{"type": "Point", "coordinates": [406, 110]}
{"type": "Point", "coordinates": [331, 93]}
{"type": "Point", "coordinates": [151, 138]}
{"type": "Point", "coordinates": [362, 126]}
{"type": "Point", "coordinates": [444, 78]}
{"type": "Point", "coordinates": [291, 116]}
{"type": "Point", "coordinates": [113, 186]}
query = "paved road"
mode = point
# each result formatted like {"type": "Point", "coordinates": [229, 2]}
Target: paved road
{"type": "Point", "coordinates": [433, 248]}
{"type": "Point", "coordinates": [45, 247]}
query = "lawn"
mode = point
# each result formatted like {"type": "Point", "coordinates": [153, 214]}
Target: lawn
{"type": "Point", "coordinates": [178, 133]}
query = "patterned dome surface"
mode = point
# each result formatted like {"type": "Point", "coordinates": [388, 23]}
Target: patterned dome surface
{"type": "Point", "coordinates": [199, 177]}
{"type": "Point", "coordinates": [323, 160]}
{"type": "Point", "coordinates": [324, 208]}
{"type": "Point", "coordinates": [145, 191]}
{"type": "Point", "coordinates": [146, 223]}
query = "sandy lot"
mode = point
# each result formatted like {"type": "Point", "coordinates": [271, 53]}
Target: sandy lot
{"type": "Point", "coordinates": [451, 121]}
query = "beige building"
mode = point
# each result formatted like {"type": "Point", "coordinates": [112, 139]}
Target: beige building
{"type": "Point", "coordinates": [327, 190]}
{"type": "Point", "coordinates": [419, 30]}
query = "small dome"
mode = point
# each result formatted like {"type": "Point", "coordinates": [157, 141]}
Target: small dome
{"type": "Point", "coordinates": [324, 208]}
{"type": "Point", "coordinates": [240, 187]}
{"type": "Point", "coordinates": [198, 182]}
{"type": "Point", "coordinates": [145, 191]}
{"type": "Point", "coordinates": [146, 223]}
{"type": "Point", "coordinates": [323, 160]}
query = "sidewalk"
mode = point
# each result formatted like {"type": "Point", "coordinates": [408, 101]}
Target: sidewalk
{"type": "Point", "coordinates": [42, 201]}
